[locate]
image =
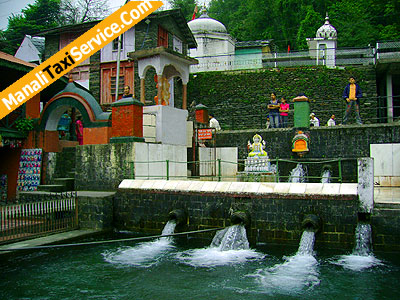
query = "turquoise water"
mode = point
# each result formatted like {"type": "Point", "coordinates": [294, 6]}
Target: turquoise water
{"type": "Point", "coordinates": [181, 268]}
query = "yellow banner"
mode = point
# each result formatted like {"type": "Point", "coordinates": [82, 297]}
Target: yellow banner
{"type": "Point", "coordinates": [75, 53]}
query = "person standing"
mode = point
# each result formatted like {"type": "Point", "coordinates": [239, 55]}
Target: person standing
{"type": "Point", "coordinates": [314, 121]}
{"type": "Point", "coordinates": [79, 130]}
{"type": "Point", "coordinates": [352, 93]}
{"type": "Point", "coordinates": [127, 92]}
{"type": "Point", "coordinates": [274, 107]}
{"type": "Point", "coordinates": [214, 122]}
{"type": "Point", "coordinates": [331, 121]}
{"type": "Point", "coordinates": [284, 113]}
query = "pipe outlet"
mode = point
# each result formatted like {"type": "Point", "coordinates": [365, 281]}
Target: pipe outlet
{"type": "Point", "coordinates": [311, 222]}
{"type": "Point", "coordinates": [178, 215]}
{"type": "Point", "coordinates": [240, 217]}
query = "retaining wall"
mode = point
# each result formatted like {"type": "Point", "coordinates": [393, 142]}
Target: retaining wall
{"type": "Point", "coordinates": [276, 210]}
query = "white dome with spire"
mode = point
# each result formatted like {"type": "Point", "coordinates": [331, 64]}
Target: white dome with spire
{"type": "Point", "coordinates": [327, 30]}
{"type": "Point", "coordinates": [206, 24]}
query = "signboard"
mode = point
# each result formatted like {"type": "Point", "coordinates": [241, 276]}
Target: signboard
{"type": "Point", "coordinates": [204, 134]}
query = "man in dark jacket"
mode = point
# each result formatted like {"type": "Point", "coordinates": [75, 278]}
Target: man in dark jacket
{"type": "Point", "coordinates": [352, 93]}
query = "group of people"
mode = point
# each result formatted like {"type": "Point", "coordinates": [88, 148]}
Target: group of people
{"type": "Point", "coordinates": [64, 127]}
{"type": "Point", "coordinates": [314, 121]}
{"type": "Point", "coordinates": [278, 111]}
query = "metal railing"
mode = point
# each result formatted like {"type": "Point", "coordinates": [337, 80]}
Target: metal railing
{"type": "Point", "coordinates": [165, 174]}
{"type": "Point", "coordinates": [51, 213]}
{"type": "Point", "coordinates": [312, 57]}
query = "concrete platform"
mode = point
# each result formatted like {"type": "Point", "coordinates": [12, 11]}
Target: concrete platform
{"type": "Point", "coordinates": [47, 240]}
{"type": "Point", "coordinates": [387, 198]}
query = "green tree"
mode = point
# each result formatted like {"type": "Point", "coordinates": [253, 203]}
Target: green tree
{"type": "Point", "coordinates": [354, 23]}
{"type": "Point", "coordinates": [308, 27]}
{"type": "Point", "coordinates": [80, 11]}
{"type": "Point", "coordinates": [187, 7]}
{"type": "Point", "coordinates": [36, 17]}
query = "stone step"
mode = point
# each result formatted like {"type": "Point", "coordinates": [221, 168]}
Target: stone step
{"type": "Point", "coordinates": [71, 174]}
{"type": "Point", "coordinates": [387, 205]}
{"type": "Point", "coordinates": [68, 183]}
{"type": "Point", "coordinates": [51, 188]}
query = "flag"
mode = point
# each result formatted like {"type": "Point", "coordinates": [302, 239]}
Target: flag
{"type": "Point", "coordinates": [194, 13]}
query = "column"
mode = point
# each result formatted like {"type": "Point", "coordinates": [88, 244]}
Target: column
{"type": "Point", "coordinates": [184, 96]}
{"type": "Point", "coordinates": [142, 91]}
{"type": "Point", "coordinates": [389, 97]}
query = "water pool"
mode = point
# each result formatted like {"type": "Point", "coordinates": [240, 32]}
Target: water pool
{"type": "Point", "coordinates": [181, 268]}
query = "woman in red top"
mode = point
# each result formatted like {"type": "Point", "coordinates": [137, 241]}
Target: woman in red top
{"type": "Point", "coordinates": [284, 113]}
{"type": "Point", "coordinates": [79, 130]}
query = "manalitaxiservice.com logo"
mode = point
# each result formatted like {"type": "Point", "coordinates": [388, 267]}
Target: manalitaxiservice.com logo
{"type": "Point", "coordinates": [77, 51]}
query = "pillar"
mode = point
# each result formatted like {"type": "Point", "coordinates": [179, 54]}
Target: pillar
{"type": "Point", "coordinates": [202, 113]}
{"type": "Point", "coordinates": [142, 91]}
{"type": "Point", "coordinates": [184, 96]}
{"type": "Point", "coordinates": [301, 112]}
{"type": "Point", "coordinates": [127, 121]}
{"type": "Point", "coordinates": [389, 97]}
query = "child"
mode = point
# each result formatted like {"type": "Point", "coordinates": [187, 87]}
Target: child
{"type": "Point", "coordinates": [284, 113]}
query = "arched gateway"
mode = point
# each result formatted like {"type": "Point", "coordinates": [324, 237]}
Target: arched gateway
{"type": "Point", "coordinates": [97, 124]}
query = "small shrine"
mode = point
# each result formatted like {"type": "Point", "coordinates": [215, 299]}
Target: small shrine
{"type": "Point", "coordinates": [257, 166]}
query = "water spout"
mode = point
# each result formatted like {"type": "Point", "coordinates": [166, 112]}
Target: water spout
{"type": "Point", "coordinates": [298, 174]}
{"type": "Point", "coordinates": [362, 256]}
{"type": "Point", "coordinates": [179, 216]}
{"type": "Point", "coordinates": [298, 272]}
{"type": "Point", "coordinates": [311, 222]}
{"type": "Point", "coordinates": [240, 217]}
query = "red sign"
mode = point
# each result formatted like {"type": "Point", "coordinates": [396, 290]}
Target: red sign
{"type": "Point", "coordinates": [204, 134]}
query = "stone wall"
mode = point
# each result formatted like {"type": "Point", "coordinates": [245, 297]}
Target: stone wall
{"type": "Point", "coordinates": [275, 217]}
{"type": "Point", "coordinates": [325, 142]}
{"type": "Point", "coordinates": [58, 164]}
{"type": "Point", "coordinates": [239, 98]}
{"type": "Point", "coordinates": [95, 210]}
{"type": "Point", "coordinates": [103, 167]}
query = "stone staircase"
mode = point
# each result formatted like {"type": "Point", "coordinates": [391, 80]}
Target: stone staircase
{"type": "Point", "coordinates": [65, 184]}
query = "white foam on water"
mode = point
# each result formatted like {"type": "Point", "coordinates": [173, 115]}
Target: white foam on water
{"type": "Point", "coordinates": [358, 262]}
{"type": "Point", "coordinates": [145, 254]}
{"type": "Point", "coordinates": [213, 256]}
{"type": "Point", "coordinates": [297, 273]}
{"type": "Point", "coordinates": [229, 246]}
{"type": "Point", "coordinates": [362, 257]}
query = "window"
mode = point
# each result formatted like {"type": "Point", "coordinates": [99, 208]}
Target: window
{"type": "Point", "coordinates": [162, 37]}
{"type": "Point", "coordinates": [115, 43]}
{"type": "Point", "coordinates": [177, 45]}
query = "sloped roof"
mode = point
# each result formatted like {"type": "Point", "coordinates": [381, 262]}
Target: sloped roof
{"type": "Point", "coordinates": [175, 14]}
{"type": "Point", "coordinates": [15, 63]}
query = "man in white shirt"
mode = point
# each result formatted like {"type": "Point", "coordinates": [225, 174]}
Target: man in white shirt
{"type": "Point", "coordinates": [314, 120]}
{"type": "Point", "coordinates": [331, 121]}
{"type": "Point", "coordinates": [214, 122]}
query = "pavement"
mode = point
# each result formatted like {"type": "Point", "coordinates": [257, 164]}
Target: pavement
{"type": "Point", "coordinates": [52, 239]}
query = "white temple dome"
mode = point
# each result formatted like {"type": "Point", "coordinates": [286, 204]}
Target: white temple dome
{"type": "Point", "coordinates": [327, 30]}
{"type": "Point", "coordinates": [206, 24]}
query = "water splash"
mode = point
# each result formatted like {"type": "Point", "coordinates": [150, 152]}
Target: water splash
{"type": "Point", "coordinates": [297, 273]}
{"type": "Point", "coordinates": [144, 254]}
{"type": "Point", "coordinates": [298, 174]}
{"type": "Point", "coordinates": [229, 246]}
{"type": "Point", "coordinates": [326, 176]}
{"type": "Point", "coordinates": [362, 256]}
{"type": "Point", "coordinates": [231, 238]}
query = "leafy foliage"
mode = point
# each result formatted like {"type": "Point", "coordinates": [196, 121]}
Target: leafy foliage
{"type": "Point", "coordinates": [289, 22]}
{"type": "Point", "coordinates": [25, 125]}
{"type": "Point", "coordinates": [47, 14]}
